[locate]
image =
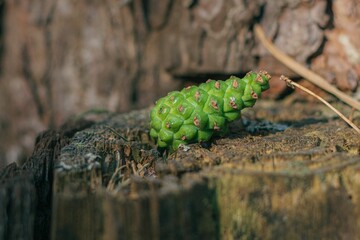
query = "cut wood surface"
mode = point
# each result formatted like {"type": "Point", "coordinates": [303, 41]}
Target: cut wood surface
{"type": "Point", "coordinates": [286, 171]}
{"type": "Point", "coordinates": [281, 174]}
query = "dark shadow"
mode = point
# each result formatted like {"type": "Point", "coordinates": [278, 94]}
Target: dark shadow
{"type": "Point", "coordinates": [307, 121]}
{"type": "Point", "coordinates": [265, 127]}
{"type": "Point", "coordinates": [198, 78]}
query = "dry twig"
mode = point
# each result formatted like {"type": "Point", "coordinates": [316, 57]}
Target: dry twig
{"type": "Point", "coordinates": [293, 84]}
{"type": "Point", "coordinates": [303, 71]}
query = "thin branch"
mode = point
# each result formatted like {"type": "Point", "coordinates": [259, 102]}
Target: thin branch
{"type": "Point", "coordinates": [303, 71]}
{"type": "Point", "coordinates": [293, 84]}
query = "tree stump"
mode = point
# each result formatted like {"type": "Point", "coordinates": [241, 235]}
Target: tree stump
{"type": "Point", "coordinates": [286, 171]}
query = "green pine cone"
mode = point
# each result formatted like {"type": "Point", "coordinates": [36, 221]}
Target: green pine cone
{"type": "Point", "coordinates": [195, 114]}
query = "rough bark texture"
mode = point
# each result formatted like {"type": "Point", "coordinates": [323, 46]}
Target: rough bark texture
{"type": "Point", "coordinates": [287, 171]}
{"type": "Point", "coordinates": [59, 58]}
{"type": "Point", "coordinates": [26, 191]}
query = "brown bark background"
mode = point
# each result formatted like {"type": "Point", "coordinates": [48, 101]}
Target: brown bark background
{"type": "Point", "coordinates": [60, 58]}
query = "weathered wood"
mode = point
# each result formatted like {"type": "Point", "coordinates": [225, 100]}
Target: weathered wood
{"type": "Point", "coordinates": [103, 208]}
{"type": "Point", "coordinates": [153, 209]}
{"type": "Point", "coordinates": [318, 204]}
{"type": "Point", "coordinates": [278, 175]}
{"type": "Point", "coordinates": [26, 191]}
{"type": "Point", "coordinates": [302, 183]}
{"type": "Point", "coordinates": [17, 207]}
{"type": "Point", "coordinates": [288, 176]}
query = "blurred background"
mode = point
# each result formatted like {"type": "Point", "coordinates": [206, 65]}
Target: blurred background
{"type": "Point", "coordinates": [59, 58]}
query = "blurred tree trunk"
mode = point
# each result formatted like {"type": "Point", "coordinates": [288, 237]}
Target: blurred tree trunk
{"type": "Point", "coordinates": [59, 58]}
